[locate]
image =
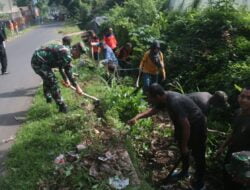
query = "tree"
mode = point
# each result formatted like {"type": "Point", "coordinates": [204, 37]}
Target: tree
{"type": "Point", "coordinates": [21, 3]}
{"type": "Point", "coordinates": [1, 6]}
{"type": "Point", "coordinates": [43, 6]}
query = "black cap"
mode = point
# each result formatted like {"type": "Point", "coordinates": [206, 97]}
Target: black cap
{"type": "Point", "coordinates": [155, 45]}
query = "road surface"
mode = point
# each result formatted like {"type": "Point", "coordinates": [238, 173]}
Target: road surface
{"type": "Point", "coordinates": [18, 87]}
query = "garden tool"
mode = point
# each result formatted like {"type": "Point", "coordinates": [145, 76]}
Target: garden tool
{"type": "Point", "coordinates": [137, 86]}
{"type": "Point", "coordinates": [83, 93]}
{"type": "Point", "coordinates": [138, 79]}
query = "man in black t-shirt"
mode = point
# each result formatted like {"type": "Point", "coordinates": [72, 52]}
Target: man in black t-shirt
{"type": "Point", "coordinates": [239, 139]}
{"type": "Point", "coordinates": [190, 128]}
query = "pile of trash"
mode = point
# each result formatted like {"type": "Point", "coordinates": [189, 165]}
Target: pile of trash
{"type": "Point", "coordinates": [112, 164]}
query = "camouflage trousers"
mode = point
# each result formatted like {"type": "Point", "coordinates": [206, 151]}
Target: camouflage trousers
{"type": "Point", "coordinates": [50, 84]}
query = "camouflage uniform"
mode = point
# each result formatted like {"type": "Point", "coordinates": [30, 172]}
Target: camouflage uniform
{"type": "Point", "coordinates": [46, 58]}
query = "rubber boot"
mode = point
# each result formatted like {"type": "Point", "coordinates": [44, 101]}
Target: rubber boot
{"type": "Point", "coordinates": [63, 108]}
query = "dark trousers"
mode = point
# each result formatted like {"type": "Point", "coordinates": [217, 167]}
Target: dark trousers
{"type": "Point", "coordinates": [197, 145]}
{"type": "Point", "coordinates": [198, 153]}
{"type": "Point", "coordinates": [148, 79]}
{"type": "Point", "coordinates": [96, 56]}
{"type": "Point", "coordinates": [3, 58]}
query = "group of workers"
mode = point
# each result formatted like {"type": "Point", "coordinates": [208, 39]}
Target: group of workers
{"type": "Point", "coordinates": [188, 112]}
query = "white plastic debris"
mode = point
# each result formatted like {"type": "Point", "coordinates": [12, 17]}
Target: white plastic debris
{"type": "Point", "coordinates": [108, 156]}
{"type": "Point", "coordinates": [12, 138]}
{"type": "Point", "coordinates": [102, 158]}
{"type": "Point", "coordinates": [81, 147]}
{"type": "Point", "coordinates": [118, 183]}
{"type": "Point", "coordinates": [60, 159]}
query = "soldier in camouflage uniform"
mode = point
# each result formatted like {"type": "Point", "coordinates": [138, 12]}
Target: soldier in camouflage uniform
{"type": "Point", "coordinates": [56, 56]}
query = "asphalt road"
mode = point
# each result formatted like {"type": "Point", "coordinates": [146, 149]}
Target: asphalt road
{"type": "Point", "coordinates": [18, 87]}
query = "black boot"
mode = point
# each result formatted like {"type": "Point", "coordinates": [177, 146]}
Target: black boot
{"type": "Point", "coordinates": [48, 99]}
{"type": "Point", "coordinates": [63, 108]}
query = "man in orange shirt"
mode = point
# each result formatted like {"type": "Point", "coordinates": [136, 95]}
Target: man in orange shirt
{"type": "Point", "coordinates": [110, 39]}
{"type": "Point", "coordinates": [151, 65]}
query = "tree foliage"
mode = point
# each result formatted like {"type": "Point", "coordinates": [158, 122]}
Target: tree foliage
{"type": "Point", "coordinates": [206, 49]}
{"type": "Point", "coordinates": [21, 3]}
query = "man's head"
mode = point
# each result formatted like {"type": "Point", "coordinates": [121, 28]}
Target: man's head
{"type": "Point", "coordinates": [92, 34]}
{"type": "Point", "coordinates": [77, 50]}
{"type": "Point", "coordinates": [219, 98]}
{"type": "Point", "coordinates": [128, 46]}
{"type": "Point", "coordinates": [156, 93]}
{"type": "Point", "coordinates": [85, 37]}
{"type": "Point", "coordinates": [110, 30]}
{"type": "Point", "coordinates": [155, 47]}
{"type": "Point", "coordinates": [66, 41]}
{"type": "Point", "coordinates": [244, 99]}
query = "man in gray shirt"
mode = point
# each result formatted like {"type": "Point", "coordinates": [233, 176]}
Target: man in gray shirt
{"type": "Point", "coordinates": [205, 100]}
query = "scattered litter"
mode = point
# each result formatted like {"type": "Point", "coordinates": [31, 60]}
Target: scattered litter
{"type": "Point", "coordinates": [12, 138]}
{"type": "Point", "coordinates": [96, 131]}
{"type": "Point", "coordinates": [60, 159]}
{"type": "Point", "coordinates": [93, 171]}
{"type": "Point", "coordinates": [72, 156]}
{"type": "Point", "coordinates": [118, 183]}
{"type": "Point", "coordinates": [108, 156]}
{"type": "Point", "coordinates": [81, 147]}
{"type": "Point", "coordinates": [102, 158]}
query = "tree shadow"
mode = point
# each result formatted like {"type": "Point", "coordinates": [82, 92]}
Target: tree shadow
{"type": "Point", "coordinates": [15, 118]}
{"type": "Point", "coordinates": [19, 92]}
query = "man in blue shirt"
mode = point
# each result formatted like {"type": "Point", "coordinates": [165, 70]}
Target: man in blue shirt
{"type": "Point", "coordinates": [109, 58]}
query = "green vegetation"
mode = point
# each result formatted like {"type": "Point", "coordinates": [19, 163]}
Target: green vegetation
{"type": "Point", "coordinates": [205, 49]}
{"type": "Point", "coordinates": [21, 3]}
{"type": "Point", "coordinates": [69, 28]}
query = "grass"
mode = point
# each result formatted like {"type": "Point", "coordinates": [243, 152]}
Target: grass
{"type": "Point", "coordinates": [69, 28]}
